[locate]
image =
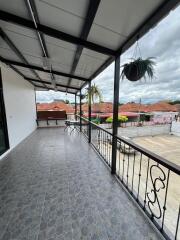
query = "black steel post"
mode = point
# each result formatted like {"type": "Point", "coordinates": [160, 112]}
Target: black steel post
{"type": "Point", "coordinates": [35, 101]}
{"type": "Point", "coordinates": [75, 106]}
{"type": "Point", "coordinates": [89, 110]}
{"type": "Point", "coordinates": [80, 110]}
{"type": "Point", "coordinates": [115, 113]}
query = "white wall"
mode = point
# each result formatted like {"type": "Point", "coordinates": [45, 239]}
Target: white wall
{"type": "Point", "coordinates": [175, 128]}
{"type": "Point", "coordinates": [19, 98]}
{"type": "Point", "coordinates": [144, 131]}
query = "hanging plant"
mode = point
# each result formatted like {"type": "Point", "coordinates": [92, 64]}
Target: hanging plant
{"type": "Point", "coordinates": [138, 68]}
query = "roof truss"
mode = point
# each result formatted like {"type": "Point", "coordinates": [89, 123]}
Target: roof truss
{"type": "Point", "coordinates": [34, 15]}
{"type": "Point", "coordinates": [91, 13]}
{"type": "Point", "coordinates": [34, 67]}
{"type": "Point", "coordinates": [49, 83]}
{"type": "Point", "coordinates": [81, 41]}
{"type": "Point", "coordinates": [8, 17]}
{"type": "Point", "coordinates": [150, 22]}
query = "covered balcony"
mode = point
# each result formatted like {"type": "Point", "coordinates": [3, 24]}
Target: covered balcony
{"type": "Point", "coordinates": [54, 186]}
{"type": "Point", "coordinates": [88, 183]}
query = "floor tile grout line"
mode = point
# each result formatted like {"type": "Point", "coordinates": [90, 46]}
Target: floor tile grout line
{"type": "Point", "coordinates": [43, 204]}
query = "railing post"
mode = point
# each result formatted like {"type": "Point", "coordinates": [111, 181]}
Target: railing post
{"type": "Point", "coordinates": [80, 110]}
{"type": "Point", "coordinates": [75, 106]}
{"type": "Point", "coordinates": [89, 112]}
{"type": "Point", "coordinates": [115, 113]}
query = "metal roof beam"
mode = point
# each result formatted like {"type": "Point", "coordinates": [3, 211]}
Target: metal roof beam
{"type": "Point", "coordinates": [8, 17]}
{"type": "Point", "coordinates": [29, 66]}
{"type": "Point", "coordinates": [149, 23]}
{"type": "Point", "coordinates": [22, 75]}
{"type": "Point", "coordinates": [91, 13]}
{"type": "Point", "coordinates": [16, 51]}
{"type": "Point", "coordinates": [34, 15]}
{"type": "Point", "coordinates": [49, 83]}
{"type": "Point", "coordinates": [48, 88]}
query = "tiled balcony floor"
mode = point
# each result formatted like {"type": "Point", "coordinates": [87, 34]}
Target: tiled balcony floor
{"type": "Point", "coordinates": [54, 186]}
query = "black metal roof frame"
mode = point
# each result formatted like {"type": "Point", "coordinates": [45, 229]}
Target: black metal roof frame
{"type": "Point", "coordinates": [31, 6]}
{"type": "Point", "coordinates": [149, 23]}
{"type": "Point", "coordinates": [81, 42]}
{"type": "Point", "coordinates": [34, 67]}
{"type": "Point", "coordinates": [90, 15]}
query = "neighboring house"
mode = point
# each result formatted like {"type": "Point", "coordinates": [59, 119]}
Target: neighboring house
{"type": "Point", "coordinates": [55, 106]}
{"type": "Point", "coordinates": [105, 107]}
{"type": "Point", "coordinates": [156, 107]}
{"type": "Point", "coordinates": [159, 112]}
{"type": "Point", "coordinates": [162, 107]}
{"type": "Point", "coordinates": [178, 108]}
{"type": "Point", "coordinates": [133, 107]}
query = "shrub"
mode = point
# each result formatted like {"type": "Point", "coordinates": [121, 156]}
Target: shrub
{"type": "Point", "coordinates": [109, 120]}
{"type": "Point", "coordinates": [96, 121]}
{"type": "Point", "coordinates": [120, 119]}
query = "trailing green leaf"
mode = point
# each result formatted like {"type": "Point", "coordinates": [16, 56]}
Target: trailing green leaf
{"type": "Point", "coordinates": [138, 68]}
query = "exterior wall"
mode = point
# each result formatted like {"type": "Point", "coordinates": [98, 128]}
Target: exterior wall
{"type": "Point", "coordinates": [161, 117]}
{"type": "Point", "coordinates": [144, 131]}
{"type": "Point", "coordinates": [19, 99]}
{"type": "Point", "coordinates": [175, 128]}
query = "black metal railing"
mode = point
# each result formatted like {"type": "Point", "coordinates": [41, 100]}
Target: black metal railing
{"type": "Point", "coordinates": [101, 139]}
{"type": "Point", "coordinates": [151, 180]}
{"type": "Point", "coordinates": [84, 125]}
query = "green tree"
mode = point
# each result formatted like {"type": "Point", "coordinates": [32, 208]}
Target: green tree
{"type": "Point", "coordinates": [93, 94]}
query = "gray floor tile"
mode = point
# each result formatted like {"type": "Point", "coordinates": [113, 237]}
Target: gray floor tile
{"type": "Point", "coordinates": [54, 186]}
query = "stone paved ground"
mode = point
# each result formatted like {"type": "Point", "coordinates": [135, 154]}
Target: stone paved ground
{"type": "Point", "coordinates": [54, 186]}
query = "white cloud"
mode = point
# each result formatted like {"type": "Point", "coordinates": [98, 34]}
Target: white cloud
{"type": "Point", "coordinates": [49, 96]}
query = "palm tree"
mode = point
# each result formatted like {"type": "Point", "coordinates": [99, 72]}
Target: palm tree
{"type": "Point", "coordinates": [93, 93]}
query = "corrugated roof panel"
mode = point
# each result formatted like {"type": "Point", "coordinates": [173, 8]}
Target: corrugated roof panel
{"type": "Point", "coordinates": [114, 22]}
{"type": "Point", "coordinates": [17, 7]}
{"type": "Point", "coordinates": [66, 15]}
{"type": "Point", "coordinates": [14, 28]}
{"type": "Point", "coordinates": [89, 62]}
{"type": "Point", "coordinates": [61, 80]}
{"type": "Point", "coordinates": [26, 72]}
{"type": "Point", "coordinates": [6, 52]}
{"type": "Point", "coordinates": [25, 43]}
{"type": "Point", "coordinates": [61, 53]}
{"type": "Point", "coordinates": [76, 83]}
{"type": "Point", "coordinates": [119, 18]}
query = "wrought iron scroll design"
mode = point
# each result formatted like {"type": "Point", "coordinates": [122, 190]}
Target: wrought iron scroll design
{"type": "Point", "coordinates": [158, 183]}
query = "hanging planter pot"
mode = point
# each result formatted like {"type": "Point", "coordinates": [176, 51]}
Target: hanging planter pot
{"type": "Point", "coordinates": [138, 68]}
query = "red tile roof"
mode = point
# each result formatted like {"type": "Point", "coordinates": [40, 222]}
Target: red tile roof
{"type": "Point", "coordinates": [107, 107]}
{"type": "Point", "coordinates": [162, 107]}
{"type": "Point", "coordinates": [133, 107]}
{"type": "Point", "coordinates": [178, 107]}
{"type": "Point", "coordinates": [156, 107]}
{"type": "Point", "coordinates": [58, 106]}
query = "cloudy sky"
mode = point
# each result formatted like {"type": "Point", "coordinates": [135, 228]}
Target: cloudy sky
{"type": "Point", "coordinates": [163, 43]}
